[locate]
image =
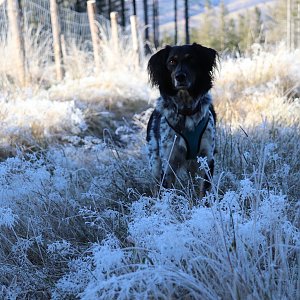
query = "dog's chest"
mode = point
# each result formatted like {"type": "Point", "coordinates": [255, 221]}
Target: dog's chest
{"type": "Point", "coordinates": [189, 131]}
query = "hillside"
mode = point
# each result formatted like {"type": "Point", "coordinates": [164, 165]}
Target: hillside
{"type": "Point", "coordinates": [166, 8]}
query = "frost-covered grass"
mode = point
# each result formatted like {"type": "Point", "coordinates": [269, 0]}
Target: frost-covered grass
{"type": "Point", "coordinates": [259, 88]}
{"type": "Point", "coordinates": [78, 217]}
{"type": "Point", "coordinates": [45, 111]}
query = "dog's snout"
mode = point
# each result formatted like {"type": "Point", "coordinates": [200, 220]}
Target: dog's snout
{"type": "Point", "coordinates": [180, 77]}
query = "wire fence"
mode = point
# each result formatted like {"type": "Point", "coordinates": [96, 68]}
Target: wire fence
{"type": "Point", "coordinates": [60, 27]}
{"type": "Point", "coordinates": [36, 13]}
{"type": "Point", "coordinates": [3, 18]}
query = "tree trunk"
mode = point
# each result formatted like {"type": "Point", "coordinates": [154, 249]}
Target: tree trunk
{"type": "Point", "coordinates": [146, 20]}
{"type": "Point", "coordinates": [155, 24]}
{"type": "Point", "coordinates": [186, 13]}
{"type": "Point", "coordinates": [175, 23]}
{"type": "Point", "coordinates": [123, 14]}
{"type": "Point", "coordinates": [109, 7]}
{"type": "Point", "coordinates": [134, 7]}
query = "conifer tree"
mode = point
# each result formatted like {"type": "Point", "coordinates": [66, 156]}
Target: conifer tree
{"type": "Point", "coordinates": [258, 26]}
{"type": "Point", "coordinates": [206, 25]}
{"type": "Point", "coordinates": [232, 37]}
{"type": "Point", "coordinates": [257, 20]}
{"type": "Point", "coordinates": [242, 31]}
{"type": "Point", "coordinates": [223, 13]}
{"type": "Point", "coordinates": [277, 21]}
{"type": "Point", "coordinates": [104, 7]}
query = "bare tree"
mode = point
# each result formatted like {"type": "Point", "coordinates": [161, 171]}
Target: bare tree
{"type": "Point", "coordinates": [155, 24]}
{"type": "Point", "coordinates": [186, 14]}
{"type": "Point", "coordinates": [134, 7]}
{"type": "Point", "coordinates": [146, 20]}
{"type": "Point", "coordinates": [109, 7]}
{"type": "Point", "coordinates": [175, 23]}
{"type": "Point", "coordinates": [123, 22]}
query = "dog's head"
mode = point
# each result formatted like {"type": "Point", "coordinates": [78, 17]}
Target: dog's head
{"type": "Point", "coordinates": [188, 67]}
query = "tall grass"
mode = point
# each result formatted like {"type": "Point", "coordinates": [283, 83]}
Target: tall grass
{"type": "Point", "coordinates": [259, 88]}
{"type": "Point", "coordinates": [45, 110]}
{"type": "Point", "coordinates": [77, 214]}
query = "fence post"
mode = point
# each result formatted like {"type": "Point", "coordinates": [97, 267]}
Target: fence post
{"type": "Point", "coordinates": [56, 39]}
{"type": "Point", "coordinates": [134, 33]}
{"type": "Point", "coordinates": [91, 8]}
{"type": "Point", "coordinates": [114, 29]}
{"type": "Point", "coordinates": [63, 47]}
{"type": "Point", "coordinates": [15, 31]}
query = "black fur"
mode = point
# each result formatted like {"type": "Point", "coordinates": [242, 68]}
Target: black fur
{"type": "Point", "coordinates": [203, 61]}
{"type": "Point", "coordinates": [184, 76]}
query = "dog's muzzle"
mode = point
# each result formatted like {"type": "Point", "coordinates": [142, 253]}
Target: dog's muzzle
{"type": "Point", "coordinates": [181, 81]}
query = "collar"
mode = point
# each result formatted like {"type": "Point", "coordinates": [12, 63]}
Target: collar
{"type": "Point", "coordinates": [189, 111]}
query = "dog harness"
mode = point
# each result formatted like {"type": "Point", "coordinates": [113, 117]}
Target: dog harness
{"type": "Point", "coordinates": [192, 138]}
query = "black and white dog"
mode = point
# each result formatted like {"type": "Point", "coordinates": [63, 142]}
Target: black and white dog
{"type": "Point", "coordinates": [182, 126]}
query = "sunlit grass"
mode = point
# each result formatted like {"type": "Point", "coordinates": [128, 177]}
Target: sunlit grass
{"type": "Point", "coordinates": [77, 214]}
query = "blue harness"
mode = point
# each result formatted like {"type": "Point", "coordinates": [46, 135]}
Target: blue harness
{"type": "Point", "coordinates": [192, 138]}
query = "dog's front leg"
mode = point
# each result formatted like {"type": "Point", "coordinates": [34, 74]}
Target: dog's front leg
{"type": "Point", "coordinates": [170, 167]}
{"type": "Point", "coordinates": [154, 159]}
{"type": "Point", "coordinates": [207, 150]}
{"type": "Point", "coordinates": [173, 159]}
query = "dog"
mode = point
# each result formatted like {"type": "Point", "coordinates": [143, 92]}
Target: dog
{"type": "Point", "coordinates": [182, 125]}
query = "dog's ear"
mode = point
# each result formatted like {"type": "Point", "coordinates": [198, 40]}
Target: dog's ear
{"type": "Point", "coordinates": [157, 68]}
{"type": "Point", "coordinates": [208, 57]}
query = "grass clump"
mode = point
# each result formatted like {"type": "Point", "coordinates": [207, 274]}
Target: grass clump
{"type": "Point", "coordinates": [78, 215]}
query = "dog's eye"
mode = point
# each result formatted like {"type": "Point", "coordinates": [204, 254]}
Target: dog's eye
{"type": "Point", "coordinates": [173, 62]}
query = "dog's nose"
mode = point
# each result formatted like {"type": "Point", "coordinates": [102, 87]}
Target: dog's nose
{"type": "Point", "coordinates": [180, 77]}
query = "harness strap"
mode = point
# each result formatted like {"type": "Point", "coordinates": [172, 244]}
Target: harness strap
{"type": "Point", "coordinates": [192, 138]}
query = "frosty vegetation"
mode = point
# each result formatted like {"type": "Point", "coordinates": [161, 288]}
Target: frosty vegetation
{"type": "Point", "coordinates": [78, 216]}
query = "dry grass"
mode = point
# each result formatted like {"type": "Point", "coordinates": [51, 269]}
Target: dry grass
{"type": "Point", "coordinates": [261, 88]}
{"type": "Point", "coordinates": [45, 110]}
{"type": "Point", "coordinates": [78, 219]}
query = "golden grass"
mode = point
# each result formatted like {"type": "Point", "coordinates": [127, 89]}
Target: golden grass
{"type": "Point", "coordinates": [257, 89]}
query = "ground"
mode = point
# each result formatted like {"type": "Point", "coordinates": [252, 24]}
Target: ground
{"type": "Point", "coordinates": [78, 215]}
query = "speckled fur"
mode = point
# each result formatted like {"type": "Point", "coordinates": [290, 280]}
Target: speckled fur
{"type": "Point", "coordinates": [167, 149]}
